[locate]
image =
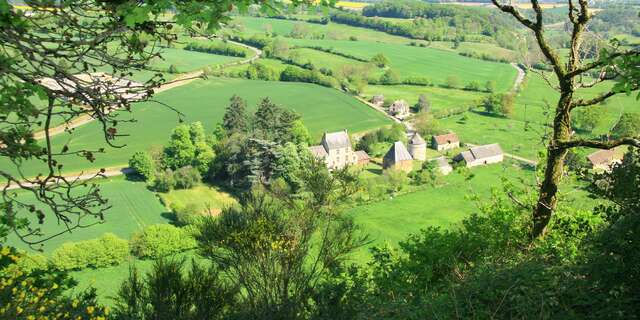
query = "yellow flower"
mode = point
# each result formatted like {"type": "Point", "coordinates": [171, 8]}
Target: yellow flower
{"type": "Point", "coordinates": [5, 251]}
{"type": "Point", "coordinates": [54, 286]}
{"type": "Point", "coordinates": [75, 303]}
{"type": "Point", "coordinates": [19, 310]}
{"type": "Point", "coordinates": [90, 309]}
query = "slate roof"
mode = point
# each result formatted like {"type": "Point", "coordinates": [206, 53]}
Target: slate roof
{"type": "Point", "coordinates": [362, 155]}
{"type": "Point", "coordinates": [416, 139]}
{"type": "Point", "coordinates": [480, 152]}
{"type": "Point", "coordinates": [446, 138]}
{"type": "Point", "coordinates": [336, 140]}
{"type": "Point", "coordinates": [318, 151]}
{"type": "Point", "coordinates": [442, 162]}
{"type": "Point", "coordinates": [398, 152]}
{"type": "Point", "coordinates": [486, 151]}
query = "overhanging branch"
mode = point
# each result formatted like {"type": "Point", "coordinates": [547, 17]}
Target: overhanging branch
{"type": "Point", "coordinates": [599, 144]}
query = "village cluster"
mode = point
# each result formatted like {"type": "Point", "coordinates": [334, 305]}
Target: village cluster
{"type": "Point", "coordinates": [337, 151]}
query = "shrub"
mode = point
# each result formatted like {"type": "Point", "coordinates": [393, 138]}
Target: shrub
{"type": "Point", "coordinates": [390, 77]}
{"type": "Point", "coordinates": [224, 49]}
{"type": "Point", "coordinates": [187, 214]}
{"type": "Point", "coordinates": [164, 181]}
{"type": "Point", "coordinates": [173, 69]}
{"type": "Point", "coordinates": [142, 163]}
{"type": "Point", "coordinates": [186, 177]}
{"type": "Point", "coordinates": [105, 251]}
{"type": "Point", "coordinates": [160, 240]}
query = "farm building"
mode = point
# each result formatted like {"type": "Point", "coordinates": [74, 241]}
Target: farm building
{"type": "Point", "coordinates": [481, 155]}
{"type": "Point", "coordinates": [604, 159]}
{"type": "Point", "coordinates": [418, 147]}
{"type": "Point", "coordinates": [363, 158]}
{"type": "Point", "coordinates": [377, 100]}
{"type": "Point", "coordinates": [443, 166]}
{"type": "Point", "coordinates": [445, 142]}
{"type": "Point", "coordinates": [399, 109]}
{"type": "Point", "coordinates": [398, 158]}
{"type": "Point", "coordinates": [336, 150]}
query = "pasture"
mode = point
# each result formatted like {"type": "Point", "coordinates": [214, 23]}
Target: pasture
{"type": "Point", "coordinates": [133, 208]}
{"type": "Point", "coordinates": [433, 64]}
{"type": "Point", "coordinates": [322, 109]}
{"type": "Point", "coordinates": [440, 98]}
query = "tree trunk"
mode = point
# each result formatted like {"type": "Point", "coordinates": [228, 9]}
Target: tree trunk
{"type": "Point", "coordinates": [547, 199]}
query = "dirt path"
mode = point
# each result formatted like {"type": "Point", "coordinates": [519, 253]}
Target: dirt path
{"type": "Point", "coordinates": [109, 172]}
{"type": "Point", "coordinates": [520, 77]}
{"type": "Point", "coordinates": [181, 80]}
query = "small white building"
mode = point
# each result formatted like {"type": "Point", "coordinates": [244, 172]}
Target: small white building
{"type": "Point", "coordinates": [418, 147]}
{"type": "Point", "coordinates": [336, 150]}
{"type": "Point", "coordinates": [399, 109]}
{"type": "Point", "coordinates": [481, 155]}
{"type": "Point", "coordinates": [445, 142]}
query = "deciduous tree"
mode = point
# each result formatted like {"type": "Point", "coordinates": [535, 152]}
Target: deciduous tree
{"type": "Point", "coordinates": [613, 62]}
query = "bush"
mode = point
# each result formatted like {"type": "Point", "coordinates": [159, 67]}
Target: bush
{"type": "Point", "coordinates": [390, 77]}
{"type": "Point", "coordinates": [105, 251]}
{"type": "Point", "coordinates": [143, 165]}
{"type": "Point", "coordinates": [224, 49]}
{"type": "Point", "coordinates": [185, 215]}
{"type": "Point", "coordinates": [164, 181]}
{"type": "Point", "coordinates": [186, 177]}
{"type": "Point", "coordinates": [160, 240]}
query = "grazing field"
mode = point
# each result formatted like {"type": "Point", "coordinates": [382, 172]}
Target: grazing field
{"type": "Point", "coordinates": [433, 64]}
{"type": "Point", "coordinates": [479, 128]}
{"type": "Point", "coordinates": [440, 98]}
{"type": "Point", "coordinates": [185, 60]}
{"type": "Point", "coordinates": [331, 31]}
{"type": "Point", "coordinates": [537, 91]}
{"type": "Point", "coordinates": [322, 109]}
{"type": "Point", "coordinates": [392, 220]}
{"type": "Point", "coordinates": [133, 207]}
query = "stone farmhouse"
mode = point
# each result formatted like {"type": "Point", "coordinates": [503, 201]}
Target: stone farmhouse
{"type": "Point", "coordinates": [398, 158]}
{"type": "Point", "coordinates": [335, 149]}
{"type": "Point", "coordinates": [604, 159]}
{"type": "Point", "coordinates": [399, 109]}
{"type": "Point", "coordinates": [418, 147]}
{"type": "Point", "coordinates": [481, 155]}
{"type": "Point", "coordinates": [443, 166]}
{"type": "Point", "coordinates": [377, 100]}
{"type": "Point", "coordinates": [445, 142]}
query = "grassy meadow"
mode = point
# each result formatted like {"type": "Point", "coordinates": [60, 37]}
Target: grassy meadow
{"type": "Point", "coordinates": [133, 207]}
{"type": "Point", "coordinates": [322, 109]}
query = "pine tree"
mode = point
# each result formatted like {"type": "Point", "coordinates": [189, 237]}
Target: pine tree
{"type": "Point", "coordinates": [266, 119]}
{"type": "Point", "coordinates": [235, 119]}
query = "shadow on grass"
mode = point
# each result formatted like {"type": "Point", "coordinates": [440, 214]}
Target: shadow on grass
{"type": "Point", "coordinates": [376, 171]}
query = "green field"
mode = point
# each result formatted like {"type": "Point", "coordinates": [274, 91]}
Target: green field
{"type": "Point", "coordinates": [433, 64]}
{"type": "Point", "coordinates": [322, 109]}
{"type": "Point", "coordinates": [133, 207]}
{"type": "Point", "coordinates": [440, 98]}
{"type": "Point", "coordinates": [393, 219]}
